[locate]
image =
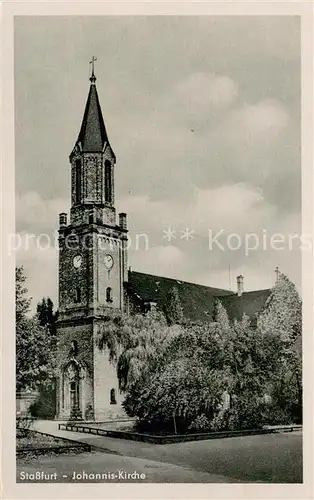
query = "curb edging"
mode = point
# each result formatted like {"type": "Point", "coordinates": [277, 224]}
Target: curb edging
{"type": "Point", "coordinates": [175, 438]}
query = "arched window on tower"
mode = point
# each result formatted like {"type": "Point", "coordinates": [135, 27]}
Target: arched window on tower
{"type": "Point", "coordinates": [77, 297]}
{"type": "Point", "coordinates": [78, 176]}
{"type": "Point", "coordinates": [108, 182]}
{"type": "Point", "coordinates": [109, 294]}
{"type": "Point", "coordinates": [113, 400]}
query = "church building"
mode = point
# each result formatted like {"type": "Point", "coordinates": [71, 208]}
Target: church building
{"type": "Point", "coordinates": [94, 278]}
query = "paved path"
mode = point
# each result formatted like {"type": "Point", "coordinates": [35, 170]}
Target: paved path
{"type": "Point", "coordinates": [264, 458]}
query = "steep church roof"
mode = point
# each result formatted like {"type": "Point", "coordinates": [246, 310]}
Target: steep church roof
{"type": "Point", "coordinates": [198, 301]}
{"type": "Point", "coordinates": [93, 135]}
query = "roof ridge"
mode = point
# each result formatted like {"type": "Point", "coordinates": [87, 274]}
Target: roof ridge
{"type": "Point", "coordinates": [183, 281]}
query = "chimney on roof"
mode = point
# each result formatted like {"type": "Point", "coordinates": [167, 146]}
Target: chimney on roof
{"type": "Point", "coordinates": [240, 285]}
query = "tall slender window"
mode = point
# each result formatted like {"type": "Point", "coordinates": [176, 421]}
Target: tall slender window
{"type": "Point", "coordinates": [113, 400]}
{"type": "Point", "coordinates": [108, 182]}
{"type": "Point", "coordinates": [109, 294]}
{"type": "Point", "coordinates": [77, 297]}
{"type": "Point", "coordinates": [78, 176]}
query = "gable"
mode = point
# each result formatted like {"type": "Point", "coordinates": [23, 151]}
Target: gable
{"type": "Point", "coordinates": [249, 303]}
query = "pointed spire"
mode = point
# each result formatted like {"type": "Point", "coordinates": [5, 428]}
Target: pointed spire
{"type": "Point", "coordinates": [93, 135]}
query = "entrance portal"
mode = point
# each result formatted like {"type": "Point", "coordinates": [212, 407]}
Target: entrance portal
{"type": "Point", "coordinates": [72, 391]}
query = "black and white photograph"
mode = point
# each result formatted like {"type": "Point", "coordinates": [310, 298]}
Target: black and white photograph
{"type": "Point", "coordinates": [158, 249]}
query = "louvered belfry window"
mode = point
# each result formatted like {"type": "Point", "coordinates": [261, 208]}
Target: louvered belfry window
{"type": "Point", "coordinates": [78, 176]}
{"type": "Point", "coordinates": [108, 182]}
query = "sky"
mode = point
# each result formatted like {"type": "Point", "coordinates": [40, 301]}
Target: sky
{"type": "Point", "coordinates": [203, 114]}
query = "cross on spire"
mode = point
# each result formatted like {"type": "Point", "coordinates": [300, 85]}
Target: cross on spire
{"type": "Point", "coordinates": [93, 77]}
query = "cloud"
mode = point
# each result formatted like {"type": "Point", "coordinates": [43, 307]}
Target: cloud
{"type": "Point", "coordinates": [40, 262]}
{"type": "Point", "coordinates": [222, 207]}
{"type": "Point", "coordinates": [34, 213]}
{"type": "Point", "coordinates": [256, 124]}
{"type": "Point", "coordinates": [160, 260]}
{"type": "Point", "coordinates": [202, 91]}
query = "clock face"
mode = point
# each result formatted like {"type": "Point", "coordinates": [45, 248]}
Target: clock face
{"type": "Point", "coordinates": [77, 261]}
{"type": "Point", "coordinates": [108, 261]}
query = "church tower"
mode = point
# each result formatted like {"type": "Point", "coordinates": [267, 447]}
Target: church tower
{"type": "Point", "coordinates": [92, 273]}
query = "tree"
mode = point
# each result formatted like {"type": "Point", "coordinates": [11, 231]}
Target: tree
{"type": "Point", "coordinates": [183, 389]}
{"type": "Point", "coordinates": [221, 317]}
{"type": "Point", "coordinates": [134, 343]}
{"type": "Point", "coordinates": [22, 302]}
{"type": "Point", "coordinates": [185, 381]}
{"type": "Point", "coordinates": [45, 313]}
{"type": "Point", "coordinates": [282, 315]}
{"type": "Point", "coordinates": [249, 381]}
{"type": "Point", "coordinates": [47, 318]}
{"type": "Point", "coordinates": [280, 326]}
{"type": "Point", "coordinates": [173, 308]}
{"type": "Point", "coordinates": [34, 356]}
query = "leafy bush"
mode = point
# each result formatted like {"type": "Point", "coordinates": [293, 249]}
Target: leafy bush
{"type": "Point", "coordinates": [23, 425]}
{"type": "Point", "coordinates": [200, 423]}
{"type": "Point", "coordinates": [45, 406]}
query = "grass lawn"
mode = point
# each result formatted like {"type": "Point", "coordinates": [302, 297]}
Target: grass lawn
{"type": "Point", "coordinates": [34, 444]}
{"type": "Point", "coordinates": [36, 440]}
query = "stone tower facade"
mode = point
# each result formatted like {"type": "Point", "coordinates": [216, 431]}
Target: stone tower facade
{"type": "Point", "coordinates": [92, 272]}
